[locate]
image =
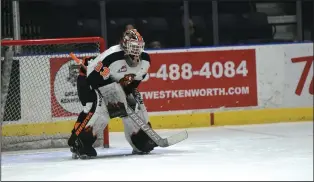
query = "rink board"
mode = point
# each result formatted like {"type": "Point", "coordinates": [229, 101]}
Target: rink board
{"type": "Point", "coordinates": [241, 117]}
{"type": "Point", "coordinates": [272, 83]}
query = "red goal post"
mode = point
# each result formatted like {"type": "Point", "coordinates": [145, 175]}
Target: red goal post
{"type": "Point", "coordinates": [39, 96]}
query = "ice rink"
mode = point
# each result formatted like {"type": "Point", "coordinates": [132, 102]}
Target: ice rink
{"type": "Point", "coordinates": [259, 152]}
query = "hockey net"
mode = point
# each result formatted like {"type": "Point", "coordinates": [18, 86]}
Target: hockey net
{"type": "Point", "coordinates": [39, 101]}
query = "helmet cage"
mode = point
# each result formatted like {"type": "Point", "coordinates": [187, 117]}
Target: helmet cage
{"type": "Point", "coordinates": [134, 47]}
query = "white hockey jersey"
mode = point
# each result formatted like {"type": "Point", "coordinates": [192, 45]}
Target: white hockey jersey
{"type": "Point", "coordinates": [114, 59]}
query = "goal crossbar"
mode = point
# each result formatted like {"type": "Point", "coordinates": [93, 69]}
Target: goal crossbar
{"type": "Point", "coordinates": [99, 40]}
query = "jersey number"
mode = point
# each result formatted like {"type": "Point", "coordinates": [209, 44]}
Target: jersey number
{"type": "Point", "coordinates": [105, 72]}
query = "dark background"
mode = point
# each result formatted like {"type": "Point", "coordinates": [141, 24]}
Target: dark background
{"type": "Point", "coordinates": [239, 22]}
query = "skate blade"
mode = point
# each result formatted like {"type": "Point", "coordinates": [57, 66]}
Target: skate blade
{"type": "Point", "coordinates": [139, 153]}
{"type": "Point", "coordinates": [86, 157]}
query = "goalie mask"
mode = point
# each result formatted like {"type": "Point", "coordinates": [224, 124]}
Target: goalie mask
{"type": "Point", "coordinates": [133, 45]}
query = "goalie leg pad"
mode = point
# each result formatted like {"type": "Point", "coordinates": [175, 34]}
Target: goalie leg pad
{"type": "Point", "coordinates": [137, 138]}
{"type": "Point", "coordinates": [142, 142]}
{"type": "Point", "coordinates": [85, 93]}
{"type": "Point", "coordinates": [90, 122]}
{"type": "Point", "coordinates": [81, 141]}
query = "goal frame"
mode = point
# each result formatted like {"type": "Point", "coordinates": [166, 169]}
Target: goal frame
{"type": "Point", "coordinates": [56, 41]}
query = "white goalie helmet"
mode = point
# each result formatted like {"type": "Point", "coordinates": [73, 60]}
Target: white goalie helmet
{"type": "Point", "coordinates": [133, 45]}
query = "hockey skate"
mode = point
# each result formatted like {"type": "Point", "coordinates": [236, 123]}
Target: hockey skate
{"type": "Point", "coordinates": [134, 152]}
{"type": "Point", "coordinates": [149, 147]}
{"type": "Point", "coordinates": [81, 152]}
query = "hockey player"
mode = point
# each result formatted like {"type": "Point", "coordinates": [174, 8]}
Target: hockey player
{"type": "Point", "coordinates": [126, 64]}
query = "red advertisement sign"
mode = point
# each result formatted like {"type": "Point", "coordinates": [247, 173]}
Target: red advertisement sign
{"type": "Point", "coordinates": [200, 80]}
{"type": "Point", "coordinates": [308, 60]}
{"type": "Point", "coordinates": [64, 97]}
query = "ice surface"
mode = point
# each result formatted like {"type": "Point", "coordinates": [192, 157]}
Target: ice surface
{"type": "Point", "coordinates": [258, 152]}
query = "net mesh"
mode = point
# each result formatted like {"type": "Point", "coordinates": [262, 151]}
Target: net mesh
{"type": "Point", "coordinates": [41, 102]}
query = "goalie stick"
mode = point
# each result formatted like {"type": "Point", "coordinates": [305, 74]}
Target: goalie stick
{"type": "Point", "coordinates": [161, 142]}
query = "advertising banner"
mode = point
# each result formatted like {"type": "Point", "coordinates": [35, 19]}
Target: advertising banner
{"type": "Point", "coordinates": [200, 80]}
{"type": "Point", "coordinates": [298, 69]}
{"type": "Point", "coordinates": [64, 97]}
